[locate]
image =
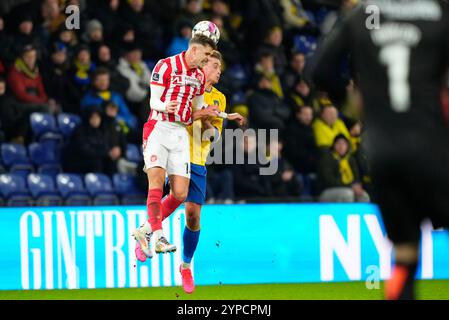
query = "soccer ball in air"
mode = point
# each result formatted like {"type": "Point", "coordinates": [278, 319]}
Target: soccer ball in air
{"type": "Point", "coordinates": [208, 29]}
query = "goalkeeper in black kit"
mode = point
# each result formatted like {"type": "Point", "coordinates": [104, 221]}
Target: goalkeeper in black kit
{"type": "Point", "coordinates": [400, 68]}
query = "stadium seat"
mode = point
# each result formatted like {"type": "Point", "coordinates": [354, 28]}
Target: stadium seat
{"type": "Point", "coordinates": [308, 185]}
{"type": "Point", "coordinates": [13, 189]}
{"type": "Point", "coordinates": [46, 157]}
{"type": "Point", "coordinates": [125, 185]}
{"type": "Point", "coordinates": [44, 153]}
{"type": "Point", "coordinates": [42, 188]}
{"type": "Point", "coordinates": [2, 202]}
{"type": "Point", "coordinates": [51, 170]}
{"type": "Point", "coordinates": [44, 126]}
{"type": "Point", "coordinates": [238, 97]}
{"type": "Point", "coordinates": [321, 15]}
{"type": "Point", "coordinates": [16, 160]}
{"type": "Point", "coordinates": [72, 189]}
{"type": "Point", "coordinates": [238, 75]}
{"type": "Point", "coordinates": [305, 44]}
{"type": "Point", "coordinates": [133, 153]}
{"type": "Point", "coordinates": [100, 188]}
{"type": "Point", "coordinates": [67, 123]}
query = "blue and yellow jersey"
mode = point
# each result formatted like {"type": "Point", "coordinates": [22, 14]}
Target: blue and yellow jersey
{"type": "Point", "coordinates": [199, 153]}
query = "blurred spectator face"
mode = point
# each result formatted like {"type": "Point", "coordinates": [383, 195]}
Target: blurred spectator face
{"type": "Point", "coordinates": [134, 56]}
{"type": "Point", "coordinates": [96, 35]}
{"type": "Point", "coordinates": [50, 9]}
{"type": "Point", "coordinates": [29, 58]}
{"type": "Point", "coordinates": [265, 83]}
{"type": "Point", "coordinates": [2, 24]}
{"type": "Point", "coordinates": [193, 6]}
{"type": "Point", "coordinates": [302, 88]}
{"type": "Point", "coordinates": [113, 4]}
{"type": "Point", "coordinates": [129, 36]}
{"type": "Point", "coordinates": [26, 27]}
{"type": "Point", "coordinates": [101, 82]}
{"type": "Point", "coordinates": [249, 144]}
{"type": "Point", "coordinates": [298, 62]}
{"type": "Point", "coordinates": [104, 54]}
{"type": "Point", "coordinates": [275, 149]}
{"type": "Point", "coordinates": [84, 57]}
{"type": "Point", "coordinates": [220, 8]}
{"type": "Point", "coordinates": [329, 115]}
{"type": "Point", "coordinates": [275, 37]}
{"type": "Point", "coordinates": [305, 115]}
{"type": "Point", "coordinates": [186, 32]}
{"type": "Point", "coordinates": [59, 57]}
{"type": "Point", "coordinates": [111, 110]}
{"type": "Point", "coordinates": [95, 120]}
{"type": "Point", "coordinates": [2, 87]}
{"type": "Point", "coordinates": [212, 70]}
{"type": "Point", "coordinates": [267, 63]}
{"type": "Point", "coordinates": [136, 5]}
{"type": "Point", "coordinates": [66, 36]}
{"type": "Point", "coordinates": [356, 129]}
{"type": "Point", "coordinates": [341, 147]}
{"type": "Point", "coordinates": [218, 22]}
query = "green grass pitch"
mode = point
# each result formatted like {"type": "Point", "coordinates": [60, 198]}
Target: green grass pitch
{"type": "Point", "coordinates": [428, 289]}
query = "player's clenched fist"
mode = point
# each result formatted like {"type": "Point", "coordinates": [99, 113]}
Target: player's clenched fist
{"type": "Point", "coordinates": [241, 120]}
{"type": "Point", "coordinates": [211, 110]}
{"type": "Point", "coordinates": [172, 106]}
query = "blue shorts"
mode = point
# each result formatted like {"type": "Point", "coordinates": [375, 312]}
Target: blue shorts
{"type": "Point", "coordinates": [197, 186]}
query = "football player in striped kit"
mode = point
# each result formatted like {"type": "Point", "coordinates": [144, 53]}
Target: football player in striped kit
{"type": "Point", "coordinates": [177, 87]}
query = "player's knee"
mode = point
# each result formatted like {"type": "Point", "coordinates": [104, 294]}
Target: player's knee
{"type": "Point", "coordinates": [193, 222]}
{"type": "Point", "coordinates": [180, 194]}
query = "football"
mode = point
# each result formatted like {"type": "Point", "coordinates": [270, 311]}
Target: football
{"type": "Point", "coordinates": [208, 29]}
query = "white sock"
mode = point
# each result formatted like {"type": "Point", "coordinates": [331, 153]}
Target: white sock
{"type": "Point", "coordinates": [147, 227]}
{"type": "Point", "coordinates": [158, 234]}
{"type": "Point", "coordinates": [185, 265]}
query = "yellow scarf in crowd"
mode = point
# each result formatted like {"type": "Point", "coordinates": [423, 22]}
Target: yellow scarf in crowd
{"type": "Point", "coordinates": [105, 95]}
{"type": "Point", "coordinates": [137, 68]}
{"type": "Point", "coordinates": [82, 70]}
{"type": "Point", "coordinates": [22, 67]}
{"type": "Point", "coordinates": [347, 176]}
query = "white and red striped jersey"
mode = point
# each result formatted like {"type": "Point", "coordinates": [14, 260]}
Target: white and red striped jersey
{"type": "Point", "coordinates": [181, 84]}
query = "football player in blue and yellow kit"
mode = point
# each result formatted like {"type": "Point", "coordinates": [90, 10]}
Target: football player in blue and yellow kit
{"type": "Point", "coordinates": [199, 150]}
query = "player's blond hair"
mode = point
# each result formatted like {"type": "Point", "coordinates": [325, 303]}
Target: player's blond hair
{"type": "Point", "coordinates": [217, 55]}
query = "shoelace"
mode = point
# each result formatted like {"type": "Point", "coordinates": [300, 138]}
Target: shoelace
{"type": "Point", "coordinates": [164, 241]}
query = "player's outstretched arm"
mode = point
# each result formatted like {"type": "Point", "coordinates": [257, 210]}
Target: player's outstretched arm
{"type": "Point", "coordinates": [241, 120]}
{"type": "Point", "coordinates": [209, 111]}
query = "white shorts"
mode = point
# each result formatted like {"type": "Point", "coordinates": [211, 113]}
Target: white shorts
{"type": "Point", "coordinates": [167, 146]}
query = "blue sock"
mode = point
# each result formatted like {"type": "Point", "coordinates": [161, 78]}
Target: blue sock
{"type": "Point", "coordinates": [190, 239]}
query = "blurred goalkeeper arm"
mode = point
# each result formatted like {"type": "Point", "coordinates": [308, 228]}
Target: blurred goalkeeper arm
{"type": "Point", "coordinates": [326, 66]}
